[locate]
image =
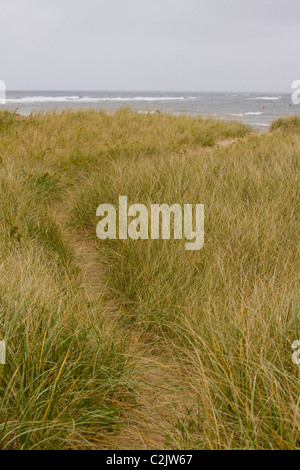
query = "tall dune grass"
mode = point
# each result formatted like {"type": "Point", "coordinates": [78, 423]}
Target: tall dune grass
{"type": "Point", "coordinates": [228, 312]}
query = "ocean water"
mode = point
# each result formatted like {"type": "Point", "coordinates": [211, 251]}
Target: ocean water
{"type": "Point", "coordinates": [255, 109]}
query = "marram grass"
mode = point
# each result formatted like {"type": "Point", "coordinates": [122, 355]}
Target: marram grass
{"type": "Point", "coordinates": [223, 317]}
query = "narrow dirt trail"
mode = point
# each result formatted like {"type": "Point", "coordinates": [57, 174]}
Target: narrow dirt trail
{"type": "Point", "coordinates": [236, 140]}
{"type": "Point", "coordinates": [161, 389]}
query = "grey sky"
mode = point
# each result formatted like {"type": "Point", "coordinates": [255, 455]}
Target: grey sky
{"type": "Point", "coordinates": [199, 45]}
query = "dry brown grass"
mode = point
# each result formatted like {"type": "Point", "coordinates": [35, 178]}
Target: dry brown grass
{"type": "Point", "coordinates": [196, 346]}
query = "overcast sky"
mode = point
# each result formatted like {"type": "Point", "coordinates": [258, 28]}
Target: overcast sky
{"type": "Point", "coordinates": [192, 45]}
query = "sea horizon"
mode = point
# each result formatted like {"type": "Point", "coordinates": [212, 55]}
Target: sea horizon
{"type": "Point", "coordinates": [257, 109]}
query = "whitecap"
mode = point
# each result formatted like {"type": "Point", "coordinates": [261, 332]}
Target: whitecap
{"type": "Point", "coordinates": [43, 99]}
{"type": "Point", "coordinates": [90, 99]}
{"type": "Point", "coordinates": [266, 98]}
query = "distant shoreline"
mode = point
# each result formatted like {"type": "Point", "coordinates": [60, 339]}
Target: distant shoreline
{"type": "Point", "coordinates": [258, 110]}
